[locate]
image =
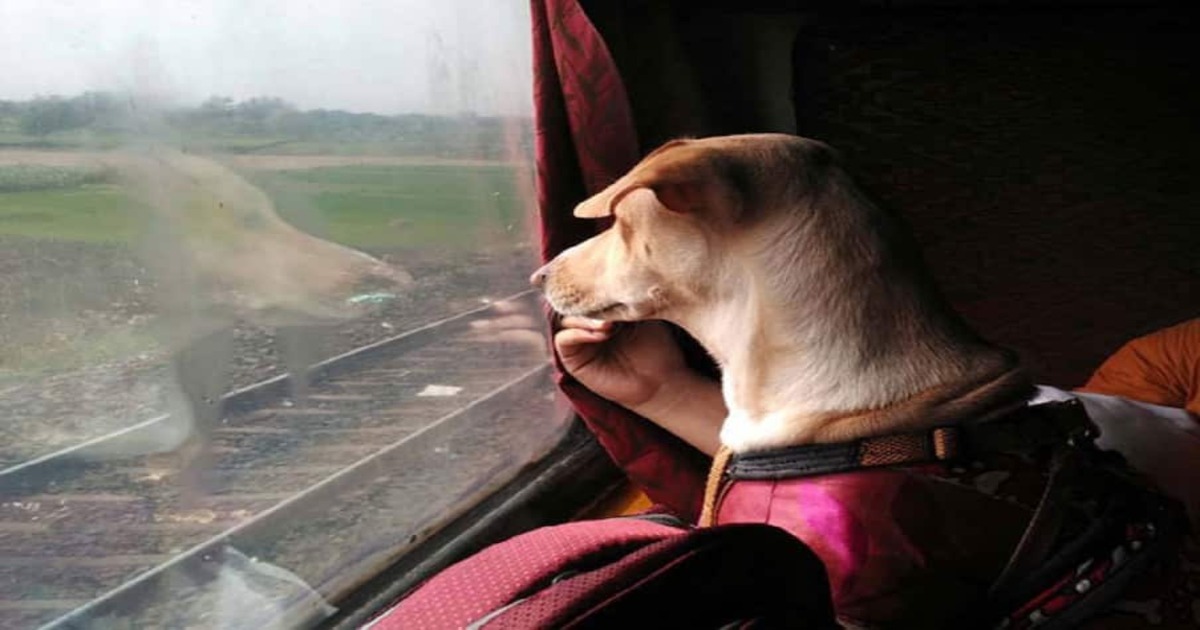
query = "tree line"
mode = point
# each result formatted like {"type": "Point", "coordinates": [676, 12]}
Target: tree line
{"type": "Point", "coordinates": [276, 121]}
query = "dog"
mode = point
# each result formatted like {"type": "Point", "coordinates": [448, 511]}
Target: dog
{"type": "Point", "coordinates": [835, 346]}
{"type": "Point", "coordinates": [222, 254]}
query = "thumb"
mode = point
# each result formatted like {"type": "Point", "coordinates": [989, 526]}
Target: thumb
{"type": "Point", "coordinates": [576, 343]}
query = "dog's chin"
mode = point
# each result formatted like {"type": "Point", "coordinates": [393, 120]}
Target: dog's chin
{"type": "Point", "coordinates": [623, 312]}
{"type": "Point", "coordinates": [585, 310]}
{"type": "Point", "coordinates": [610, 311]}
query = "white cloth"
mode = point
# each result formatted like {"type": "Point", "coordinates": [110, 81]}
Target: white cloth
{"type": "Point", "coordinates": [1161, 442]}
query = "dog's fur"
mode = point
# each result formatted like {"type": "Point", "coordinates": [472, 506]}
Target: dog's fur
{"type": "Point", "coordinates": [812, 299]}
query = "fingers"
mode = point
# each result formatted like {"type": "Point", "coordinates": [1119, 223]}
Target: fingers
{"type": "Point", "coordinates": [574, 342]}
{"type": "Point", "coordinates": [506, 322]}
{"type": "Point", "coordinates": [508, 329]}
{"type": "Point", "coordinates": [505, 307]}
{"type": "Point", "coordinates": [585, 323]}
{"type": "Point", "coordinates": [516, 336]}
{"type": "Point", "coordinates": [579, 333]}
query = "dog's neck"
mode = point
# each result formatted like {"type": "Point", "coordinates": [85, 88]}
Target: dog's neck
{"type": "Point", "coordinates": [843, 344]}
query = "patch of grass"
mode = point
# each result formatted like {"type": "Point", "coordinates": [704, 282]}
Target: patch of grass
{"type": "Point", "coordinates": [82, 139]}
{"type": "Point", "coordinates": [233, 144]}
{"type": "Point", "coordinates": [403, 207]}
{"type": "Point", "coordinates": [93, 213]}
{"type": "Point", "coordinates": [27, 177]}
{"type": "Point", "coordinates": [427, 207]}
{"type": "Point", "coordinates": [337, 147]}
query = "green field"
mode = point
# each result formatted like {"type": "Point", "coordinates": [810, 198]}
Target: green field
{"type": "Point", "coordinates": [412, 206]}
{"type": "Point", "coordinates": [89, 213]}
{"type": "Point", "coordinates": [409, 206]}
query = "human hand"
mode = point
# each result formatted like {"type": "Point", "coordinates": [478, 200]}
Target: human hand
{"type": "Point", "coordinates": [627, 364]}
{"type": "Point", "coordinates": [640, 367]}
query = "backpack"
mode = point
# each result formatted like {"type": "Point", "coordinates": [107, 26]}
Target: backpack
{"type": "Point", "coordinates": [627, 572]}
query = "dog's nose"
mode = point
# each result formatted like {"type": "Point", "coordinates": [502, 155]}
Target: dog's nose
{"type": "Point", "coordinates": [538, 279]}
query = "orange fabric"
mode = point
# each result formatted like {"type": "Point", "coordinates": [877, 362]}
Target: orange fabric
{"type": "Point", "coordinates": [637, 504]}
{"type": "Point", "coordinates": [623, 501]}
{"type": "Point", "coordinates": [1162, 368]}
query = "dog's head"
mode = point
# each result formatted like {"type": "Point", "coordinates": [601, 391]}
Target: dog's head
{"type": "Point", "coordinates": [675, 218]}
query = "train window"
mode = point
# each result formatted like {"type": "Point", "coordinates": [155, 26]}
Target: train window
{"type": "Point", "coordinates": [264, 318]}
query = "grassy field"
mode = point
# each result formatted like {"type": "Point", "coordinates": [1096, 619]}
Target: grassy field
{"type": "Point", "coordinates": [88, 213]}
{"type": "Point", "coordinates": [410, 206]}
{"type": "Point", "coordinates": [406, 207]}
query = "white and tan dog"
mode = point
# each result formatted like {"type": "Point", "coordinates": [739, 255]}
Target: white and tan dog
{"type": "Point", "coordinates": [814, 302]}
{"type": "Point", "coordinates": [811, 298]}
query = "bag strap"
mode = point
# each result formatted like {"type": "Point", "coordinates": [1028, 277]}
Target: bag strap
{"type": "Point", "coordinates": [1045, 525]}
{"type": "Point", "coordinates": [1057, 578]}
{"type": "Point", "coordinates": [715, 486]}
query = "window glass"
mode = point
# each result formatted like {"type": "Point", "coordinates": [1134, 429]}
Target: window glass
{"type": "Point", "coordinates": [264, 318]}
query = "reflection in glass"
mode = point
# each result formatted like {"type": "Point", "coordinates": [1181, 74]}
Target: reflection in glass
{"type": "Point", "coordinates": [263, 325]}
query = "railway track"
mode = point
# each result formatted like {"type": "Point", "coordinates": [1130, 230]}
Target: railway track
{"type": "Point", "coordinates": [299, 500]}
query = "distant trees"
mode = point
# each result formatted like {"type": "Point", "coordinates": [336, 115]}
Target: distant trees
{"type": "Point", "coordinates": [259, 115]}
{"type": "Point", "coordinates": [46, 115]}
{"type": "Point", "coordinates": [468, 136]}
{"type": "Point", "coordinates": [275, 120]}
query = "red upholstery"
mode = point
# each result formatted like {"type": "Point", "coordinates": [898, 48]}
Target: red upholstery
{"type": "Point", "coordinates": [501, 573]}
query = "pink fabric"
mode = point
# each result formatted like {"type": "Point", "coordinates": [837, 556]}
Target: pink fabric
{"type": "Point", "coordinates": [903, 546]}
{"type": "Point", "coordinates": [898, 542]}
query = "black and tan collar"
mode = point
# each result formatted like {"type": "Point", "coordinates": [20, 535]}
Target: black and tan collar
{"type": "Point", "coordinates": [1024, 429]}
{"type": "Point", "coordinates": [1028, 427]}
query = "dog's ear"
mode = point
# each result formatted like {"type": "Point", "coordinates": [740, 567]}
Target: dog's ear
{"type": "Point", "coordinates": [691, 183]}
{"type": "Point", "coordinates": [600, 205]}
{"type": "Point", "coordinates": [708, 185]}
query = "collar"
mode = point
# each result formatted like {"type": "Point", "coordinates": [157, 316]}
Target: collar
{"type": "Point", "coordinates": [1056, 423]}
{"type": "Point", "coordinates": [1059, 422]}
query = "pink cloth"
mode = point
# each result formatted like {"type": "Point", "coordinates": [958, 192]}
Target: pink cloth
{"type": "Point", "coordinates": [907, 545]}
{"type": "Point", "coordinates": [898, 543]}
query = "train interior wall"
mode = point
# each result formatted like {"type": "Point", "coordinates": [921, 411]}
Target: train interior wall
{"type": "Point", "coordinates": [1045, 156]}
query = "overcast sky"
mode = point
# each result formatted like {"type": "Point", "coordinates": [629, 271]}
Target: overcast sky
{"type": "Point", "coordinates": [384, 56]}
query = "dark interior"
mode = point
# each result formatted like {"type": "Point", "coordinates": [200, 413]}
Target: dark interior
{"type": "Point", "coordinates": [1043, 154]}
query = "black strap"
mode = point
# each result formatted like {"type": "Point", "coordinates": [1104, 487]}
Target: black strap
{"type": "Point", "coordinates": [800, 461]}
{"type": "Point", "coordinates": [1095, 491]}
{"type": "Point", "coordinates": [1042, 533]}
{"type": "Point", "coordinates": [1020, 430]}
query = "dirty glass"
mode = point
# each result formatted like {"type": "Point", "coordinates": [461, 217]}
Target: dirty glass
{"type": "Point", "coordinates": [264, 319]}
